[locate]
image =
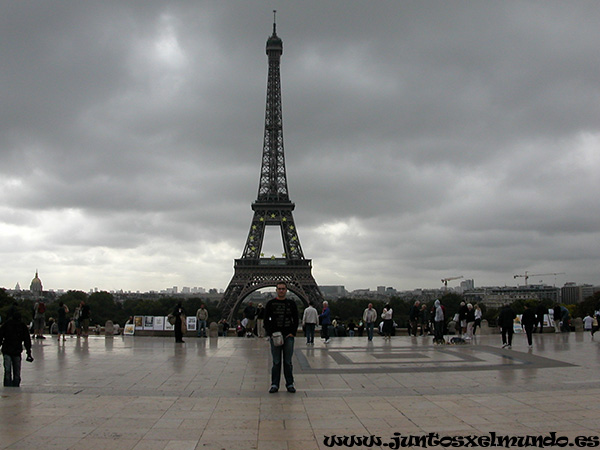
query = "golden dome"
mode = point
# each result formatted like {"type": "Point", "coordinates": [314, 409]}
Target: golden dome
{"type": "Point", "coordinates": [36, 284]}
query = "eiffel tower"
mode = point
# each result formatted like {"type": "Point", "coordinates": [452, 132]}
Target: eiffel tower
{"type": "Point", "coordinates": [272, 208]}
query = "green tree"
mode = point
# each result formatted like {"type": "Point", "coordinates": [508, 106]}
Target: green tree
{"type": "Point", "coordinates": [451, 302]}
{"type": "Point", "coordinates": [6, 302]}
{"type": "Point", "coordinates": [588, 306]}
{"type": "Point", "coordinates": [103, 307]}
{"type": "Point", "coordinates": [72, 299]}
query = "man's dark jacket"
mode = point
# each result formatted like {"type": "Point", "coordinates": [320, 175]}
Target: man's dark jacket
{"type": "Point", "coordinates": [13, 334]}
{"type": "Point", "coordinates": [281, 315]}
{"type": "Point", "coordinates": [506, 317]}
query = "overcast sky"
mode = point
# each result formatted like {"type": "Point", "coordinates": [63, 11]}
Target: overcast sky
{"type": "Point", "coordinates": [423, 140]}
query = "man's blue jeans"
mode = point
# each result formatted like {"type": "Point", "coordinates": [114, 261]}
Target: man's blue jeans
{"type": "Point", "coordinates": [202, 328]}
{"type": "Point", "coordinates": [370, 326]}
{"type": "Point", "coordinates": [12, 370]}
{"type": "Point", "coordinates": [310, 332]}
{"type": "Point", "coordinates": [287, 351]}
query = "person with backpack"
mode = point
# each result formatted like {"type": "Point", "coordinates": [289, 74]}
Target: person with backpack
{"type": "Point", "coordinates": [39, 319]}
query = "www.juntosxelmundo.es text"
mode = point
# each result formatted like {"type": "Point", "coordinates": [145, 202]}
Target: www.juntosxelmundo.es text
{"type": "Point", "coordinates": [489, 440]}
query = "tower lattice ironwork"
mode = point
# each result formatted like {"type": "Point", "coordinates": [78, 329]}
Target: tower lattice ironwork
{"type": "Point", "coordinates": [272, 208]}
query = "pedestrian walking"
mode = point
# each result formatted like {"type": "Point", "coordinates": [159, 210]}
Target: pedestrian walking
{"type": "Point", "coordinates": [13, 336]}
{"type": "Point", "coordinates": [528, 321]}
{"type": "Point", "coordinates": [506, 320]}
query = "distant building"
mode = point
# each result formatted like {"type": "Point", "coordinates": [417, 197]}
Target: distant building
{"type": "Point", "coordinates": [496, 297]}
{"type": "Point", "coordinates": [467, 285]}
{"type": "Point", "coordinates": [333, 292]}
{"type": "Point", "coordinates": [572, 293]}
{"type": "Point", "coordinates": [36, 286]}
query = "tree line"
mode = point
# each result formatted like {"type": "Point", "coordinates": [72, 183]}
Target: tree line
{"type": "Point", "coordinates": [104, 306]}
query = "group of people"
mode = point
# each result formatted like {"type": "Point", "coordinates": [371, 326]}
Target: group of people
{"type": "Point", "coordinates": [78, 324]}
{"type": "Point", "coordinates": [591, 322]}
{"type": "Point", "coordinates": [468, 319]}
{"type": "Point", "coordinates": [178, 319]}
{"type": "Point", "coordinates": [424, 320]}
{"type": "Point", "coordinates": [253, 322]}
{"type": "Point", "coordinates": [310, 319]}
{"type": "Point", "coordinates": [533, 320]}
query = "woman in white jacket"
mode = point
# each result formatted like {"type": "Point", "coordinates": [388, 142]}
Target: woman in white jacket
{"type": "Point", "coordinates": [388, 322]}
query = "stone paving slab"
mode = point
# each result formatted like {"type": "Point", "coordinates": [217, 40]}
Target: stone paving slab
{"type": "Point", "coordinates": [150, 393]}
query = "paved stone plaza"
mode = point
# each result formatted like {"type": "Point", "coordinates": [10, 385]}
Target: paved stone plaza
{"type": "Point", "coordinates": [150, 393]}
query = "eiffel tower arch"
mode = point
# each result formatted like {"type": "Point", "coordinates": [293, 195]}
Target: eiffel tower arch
{"type": "Point", "coordinates": [272, 208]}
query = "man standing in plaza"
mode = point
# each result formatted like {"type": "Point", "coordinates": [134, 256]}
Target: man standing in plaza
{"type": "Point", "coordinates": [250, 314]}
{"type": "Point", "coordinates": [413, 318]}
{"type": "Point", "coordinates": [309, 322]}
{"type": "Point", "coordinates": [39, 319]}
{"type": "Point", "coordinates": [540, 313]}
{"type": "Point", "coordinates": [369, 318]}
{"type": "Point", "coordinates": [438, 322]}
{"type": "Point", "coordinates": [13, 335]}
{"type": "Point", "coordinates": [260, 320]}
{"type": "Point", "coordinates": [462, 319]}
{"type": "Point", "coordinates": [281, 315]}
{"type": "Point", "coordinates": [84, 318]}
{"type": "Point", "coordinates": [201, 318]}
{"type": "Point", "coordinates": [325, 320]}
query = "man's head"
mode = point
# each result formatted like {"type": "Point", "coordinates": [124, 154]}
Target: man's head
{"type": "Point", "coordinates": [370, 305]}
{"type": "Point", "coordinates": [281, 290]}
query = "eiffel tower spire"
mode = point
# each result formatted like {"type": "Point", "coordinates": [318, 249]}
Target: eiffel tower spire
{"type": "Point", "coordinates": [273, 180]}
{"type": "Point", "coordinates": [271, 208]}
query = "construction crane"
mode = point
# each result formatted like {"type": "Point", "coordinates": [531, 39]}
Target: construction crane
{"type": "Point", "coordinates": [527, 275]}
{"type": "Point", "coordinates": [445, 281]}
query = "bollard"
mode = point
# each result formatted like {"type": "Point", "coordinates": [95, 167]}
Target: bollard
{"type": "Point", "coordinates": [213, 330]}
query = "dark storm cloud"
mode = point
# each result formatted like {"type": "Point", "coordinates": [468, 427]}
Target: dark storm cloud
{"type": "Point", "coordinates": [422, 139]}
